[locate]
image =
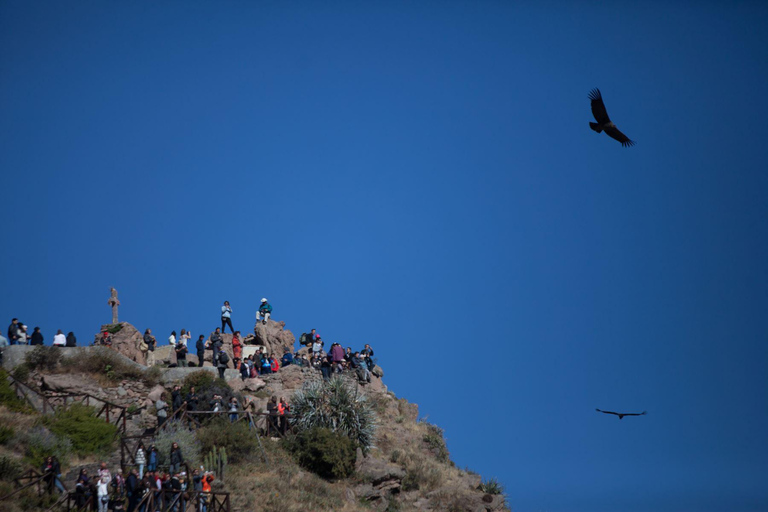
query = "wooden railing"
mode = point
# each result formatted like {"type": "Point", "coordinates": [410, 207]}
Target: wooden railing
{"type": "Point", "coordinates": [69, 502]}
{"type": "Point", "coordinates": [111, 413]}
{"type": "Point", "coordinates": [45, 483]}
{"type": "Point", "coordinates": [184, 501]}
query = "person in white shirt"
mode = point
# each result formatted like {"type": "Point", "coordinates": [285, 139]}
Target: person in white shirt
{"type": "Point", "coordinates": [59, 340]}
{"type": "Point", "coordinates": [183, 337]}
{"type": "Point", "coordinates": [172, 339]}
{"type": "Point", "coordinates": [102, 492]}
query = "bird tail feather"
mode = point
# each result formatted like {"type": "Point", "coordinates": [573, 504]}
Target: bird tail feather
{"type": "Point", "coordinates": [595, 127]}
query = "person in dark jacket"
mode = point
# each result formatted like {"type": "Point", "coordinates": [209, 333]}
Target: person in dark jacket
{"type": "Point", "coordinates": [273, 414]}
{"type": "Point", "coordinates": [181, 355]}
{"type": "Point", "coordinates": [176, 400]}
{"type": "Point", "coordinates": [221, 362]}
{"type": "Point", "coordinates": [192, 399]}
{"type": "Point", "coordinates": [287, 357]}
{"type": "Point", "coordinates": [37, 337]}
{"type": "Point", "coordinates": [71, 340]}
{"type": "Point", "coordinates": [176, 459]}
{"type": "Point", "coordinates": [132, 490]}
{"type": "Point", "coordinates": [200, 347]}
{"type": "Point", "coordinates": [216, 342]}
{"type": "Point", "coordinates": [13, 331]}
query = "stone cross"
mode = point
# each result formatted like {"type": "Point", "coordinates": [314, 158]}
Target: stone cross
{"type": "Point", "coordinates": [114, 302]}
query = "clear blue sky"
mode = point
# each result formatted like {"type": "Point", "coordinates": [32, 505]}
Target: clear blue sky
{"type": "Point", "coordinates": [421, 176]}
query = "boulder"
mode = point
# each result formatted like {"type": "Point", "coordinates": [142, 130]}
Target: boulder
{"type": "Point", "coordinates": [126, 341]}
{"type": "Point", "coordinates": [251, 385]}
{"type": "Point", "coordinates": [154, 394]}
{"type": "Point", "coordinates": [380, 472]}
{"type": "Point", "coordinates": [274, 337]}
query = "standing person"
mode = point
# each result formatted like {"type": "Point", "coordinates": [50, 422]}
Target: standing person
{"type": "Point", "coordinates": [132, 489]}
{"type": "Point", "coordinates": [237, 349]}
{"type": "Point", "coordinates": [317, 346]}
{"type": "Point", "coordinates": [176, 400]}
{"type": "Point", "coordinates": [37, 337]}
{"type": "Point", "coordinates": [152, 461]}
{"type": "Point", "coordinates": [162, 412]}
{"type": "Point", "coordinates": [192, 399]}
{"type": "Point", "coordinates": [141, 458]}
{"type": "Point", "coordinates": [265, 311]}
{"type": "Point", "coordinates": [216, 342]}
{"type": "Point", "coordinates": [22, 332]}
{"type": "Point", "coordinates": [118, 484]}
{"type": "Point", "coordinates": [59, 340]}
{"type": "Point", "coordinates": [176, 459]}
{"type": "Point", "coordinates": [181, 354]}
{"type": "Point", "coordinates": [13, 331]}
{"type": "Point", "coordinates": [184, 337]}
{"type": "Point", "coordinates": [200, 347]}
{"type": "Point", "coordinates": [71, 339]}
{"type": "Point", "coordinates": [272, 411]}
{"type": "Point", "coordinates": [104, 472]}
{"type": "Point", "coordinates": [172, 339]}
{"type": "Point", "coordinates": [102, 494]}
{"type": "Point", "coordinates": [233, 410]}
{"type": "Point", "coordinates": [149, 340]}
{"type": "Point", "coordinates": [273, 363]}
{"type": "Point", "coordinates": [337, 355]}
{"type": "Point", "coordinates": [221, 363]}
{"type": "Point", "coordinates": [282, 409]}
{"type": "Point", "coordinates": [226, 317]}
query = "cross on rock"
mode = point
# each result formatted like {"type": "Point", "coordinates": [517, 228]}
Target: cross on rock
{"type": "Point", "coordinates": [114, 302]}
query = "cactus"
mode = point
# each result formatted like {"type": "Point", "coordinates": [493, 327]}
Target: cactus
{"type": "Point", "coordinates": [216, 460]}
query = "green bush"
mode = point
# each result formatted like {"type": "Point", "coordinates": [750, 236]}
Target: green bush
{"type": "Point", "coordinates": [176, 432]}
{"type": "Point", "coordinates": [114, 328]}
{"type": "Point", "coordinates": [328, 454]}
{"type": "Point", "coordinates": [9, 468]}
{"type": "Point", "coordinates": [43, 358]}
{"type": "Point", "coordinates": [492, 486]}
{"type": "Point", "coordinates": [435, 441]}
{"type": "Point", "coordinates": [206, 385]}
{"type": "Point", "coordinates": [240, 441]}
{"type": "Point", "coordinates": [21, 372]}
{"type": "Point", "coordinates": [6, 433]}
{"type": "Point", "coordinates": [8, 396]}
{"type": "Point", "coordinates": [337, 405]}
{"type": "Point", "coordinates": [39, 442]}
{"type": "Point", "coordinates": [88, 433]}
{"type": "Point", "coordinates": [105, 361]}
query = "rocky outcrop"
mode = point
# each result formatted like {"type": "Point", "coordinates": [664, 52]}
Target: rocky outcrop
{"type": "Point", "coordinates": [126, 341]}
{"type": "Point", "coordinates": [274, 336]}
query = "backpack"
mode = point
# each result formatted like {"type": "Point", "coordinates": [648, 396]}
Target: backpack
{"type": "Point", "coordinates": [223, 357]}
{"type": "Point", "coordinates": [303, 338]}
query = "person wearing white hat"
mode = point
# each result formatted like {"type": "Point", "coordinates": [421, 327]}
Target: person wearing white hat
{"type": "Point", "coordinates": [265, 311]}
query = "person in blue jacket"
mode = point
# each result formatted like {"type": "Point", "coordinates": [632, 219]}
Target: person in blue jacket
{"type": "Point", "coordinates": [264, 312]}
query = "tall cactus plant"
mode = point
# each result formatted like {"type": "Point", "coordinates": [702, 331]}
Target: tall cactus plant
{"type": "Point", "coordinates": [216, 460]}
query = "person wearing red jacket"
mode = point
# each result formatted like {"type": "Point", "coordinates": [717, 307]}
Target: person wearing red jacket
{"type": "Point", "coordinates": [237, 350]}
{"type": "Point", "coordinates": [273, 363]}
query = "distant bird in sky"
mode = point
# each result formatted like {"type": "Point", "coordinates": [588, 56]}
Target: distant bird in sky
{"type": "Point", "coordinates": [622, 414]}
{"type": "Point", "coordinates": [604, 122]}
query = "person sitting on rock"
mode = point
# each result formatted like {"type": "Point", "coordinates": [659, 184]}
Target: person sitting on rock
{"type": "Point", "coordinates": [266, 365]}
{"type": "Point", "coordinates": [226, 317]}
{"type": "Point", "coordinates": [317, 346]}
{"type": "Point", "coordinates": [106, 339]}
{"type": "Point", "coordinates": [58, 341]}
{"type": "Point", "coordinates": [265, 311]}
{"type": "Point", "coordinates": [360, 368]}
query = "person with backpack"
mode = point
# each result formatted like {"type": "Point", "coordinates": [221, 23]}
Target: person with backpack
{"type": "Point", "coordinates": [221, 363]}
{"type": "Point", "coordinates": [265, 311]}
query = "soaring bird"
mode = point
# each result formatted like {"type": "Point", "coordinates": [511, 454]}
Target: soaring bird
{"type": "Point", "coordinates": [604, 122]}
{"type": "Point", "coordinates": [622, 414]}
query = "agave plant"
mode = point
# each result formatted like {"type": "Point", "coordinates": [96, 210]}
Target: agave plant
{"type": "Point", "coordinates": [335, 404]}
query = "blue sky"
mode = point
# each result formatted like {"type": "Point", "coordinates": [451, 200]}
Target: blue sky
{"type": "Point", "coordinates": [422, 177]}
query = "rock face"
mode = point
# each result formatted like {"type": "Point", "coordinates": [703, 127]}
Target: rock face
{"type": "Point", "coordinates": [126, 341]}
{"type": "Point", "coordinates": [274, 336]}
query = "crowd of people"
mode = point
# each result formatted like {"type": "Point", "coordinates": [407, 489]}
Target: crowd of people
{"type": "Point", "coordinates": [108, 491]}
{"type": "Point", "coordinates": [18, 334]}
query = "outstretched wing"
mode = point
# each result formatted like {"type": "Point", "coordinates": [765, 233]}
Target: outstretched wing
{"type": "Point", "coordinates": [634, 413]}
{"type": "Point", "coordinates": [607, 412]}
{"type": "Point", "coordinates": [598, 107]}
{"type": "Point", "coordinates": [614, 133]}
